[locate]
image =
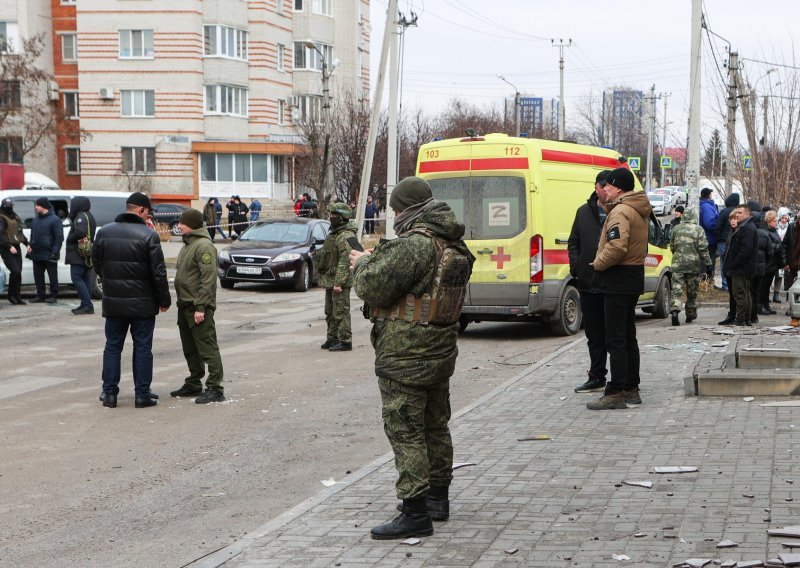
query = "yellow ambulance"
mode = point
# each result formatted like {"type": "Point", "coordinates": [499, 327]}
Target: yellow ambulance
{"type": "Point", "coordinates": [517, 198]}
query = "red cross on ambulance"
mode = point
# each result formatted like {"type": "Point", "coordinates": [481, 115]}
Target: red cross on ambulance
{"type": "Point", "coordinates": [500, 258]}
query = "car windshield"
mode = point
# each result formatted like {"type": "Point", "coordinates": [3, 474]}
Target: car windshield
{"type": "Point", "coordinates": [290, 233]}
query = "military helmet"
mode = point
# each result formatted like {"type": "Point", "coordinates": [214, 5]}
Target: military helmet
{"type": "Point", "coordinates": [342, 210]}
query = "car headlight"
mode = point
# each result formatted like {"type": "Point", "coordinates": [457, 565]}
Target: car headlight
{"type": "Point", "coordinates": [224, 255]}
{"type": "Point", "coordinates": [286, 257]}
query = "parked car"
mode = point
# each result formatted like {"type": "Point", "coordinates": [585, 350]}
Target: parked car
{"type": "Point", "coordinates": [169, 214]}
{"type": "Point", "coordinates": [677, 194]}
{"type": "Point", "coordinates": [277, 251]}
{"type": "Point", "coordinates": [660, 203]}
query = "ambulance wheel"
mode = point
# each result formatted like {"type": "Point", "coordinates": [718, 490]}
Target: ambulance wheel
{"type": "Point", "coordinates": [662, 299]}
{"type": "Point", "coordinates": [567, 318]}
{"type": "Point", "coordinates": [462, 324]}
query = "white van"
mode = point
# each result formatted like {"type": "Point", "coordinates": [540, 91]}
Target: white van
{"type": "Point", "coordinates": [106, 205]}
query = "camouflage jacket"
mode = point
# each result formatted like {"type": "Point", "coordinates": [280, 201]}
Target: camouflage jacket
{"type": "Point", "coordinates": [333, 261]}
{"type": "Point", "coordinates": [688, 244]}
{"type": "Point", "coordinates": [408, 352]}
{"type": "Point", "coordinates": [196, 272]}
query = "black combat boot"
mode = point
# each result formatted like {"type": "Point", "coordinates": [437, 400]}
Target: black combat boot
{"type": "Point", "coordinates": [675, 320]}
{"type": "Point", "coordinates": [729, 320]}
{"type": "Point", "coordinates": [438, 504]}
{"type": "Point", "coordinates": [413, 520]}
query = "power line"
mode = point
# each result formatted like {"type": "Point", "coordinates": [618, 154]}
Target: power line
{"type": "Point", "coordinates": [769, 63]}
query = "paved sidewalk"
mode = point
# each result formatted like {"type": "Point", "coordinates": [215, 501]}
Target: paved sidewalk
{"type": "Point", "coordinates": [561, 502]}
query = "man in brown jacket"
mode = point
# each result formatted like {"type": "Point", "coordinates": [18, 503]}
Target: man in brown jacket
{"type": "Point", "coordinates": [619, 275]}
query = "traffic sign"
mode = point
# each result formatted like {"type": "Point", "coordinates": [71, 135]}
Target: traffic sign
{"type": "Point", "coordinates": [666, 162]}
{"type": "Point", "coordinates": [747, 162]}
{"type": "Point", "coordinates": [634, 162]}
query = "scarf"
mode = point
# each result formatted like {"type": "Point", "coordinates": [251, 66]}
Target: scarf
{"type": "Point", "coordinates": [409, 215]}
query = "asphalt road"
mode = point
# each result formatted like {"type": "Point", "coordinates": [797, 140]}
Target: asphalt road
{"type": "Point", "coordinates": [82, 485]}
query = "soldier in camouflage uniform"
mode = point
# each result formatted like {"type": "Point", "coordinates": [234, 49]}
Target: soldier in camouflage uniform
{"type": "Point", "coordinates": [689, 247]}
{"type": "Point", "coordinates": [333, 265]}
{"type": "Point", "coordinates": [414, 359]}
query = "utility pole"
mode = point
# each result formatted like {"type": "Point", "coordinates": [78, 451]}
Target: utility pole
{"type": "Point", "coordinates": [763, 140]}
{"type": "Point", "coordinates": [693, 149]}
{"type": "Point", "coordinates": [650, 135]}
{"type": "Point", "coordinates": [403, 24]}
{"type": "Point", "coordinates": [561, 114]}
{"type": "Point", "coordinates": [374, 120]}
{"type": "Point", "coordinates": [391, 158]}
{"type": "Point", "coordinates": [730, 146]}
{"type": "Point", "coordinates": [664, 137]}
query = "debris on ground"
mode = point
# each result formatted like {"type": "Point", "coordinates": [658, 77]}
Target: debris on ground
{"type": "Point", "coordinates": [674, 469]}
{"type": "Point", "coordinates": [782, 403]}
{"type": "Point", "coordinates": [693, 563]}
{"type": "Point", "coordinates": [330, 482]}
{"type": "Point", "coordinates": [727, 544]}
{"type": "Point", "coordinates": [645, 484]}
{"type": "Point", "coordinates": [534, 438]}
{"type": "Point", "coordinates": [749, 398]}
{"type": "Point", "coordinates": [511, 550]}
{"type": "Point", "coordinates": [620, 557]}
{"type": "Point", "coordinates": [413, 541]}
{"type": "Point", "coordinates": [460, 465]}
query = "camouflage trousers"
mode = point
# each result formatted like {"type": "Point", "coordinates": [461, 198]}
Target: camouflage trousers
{"type": "Point", "coordinates": [415, 421]}
{"type": "Point", "coordinates": [692, 283]}
{"type": "Point", "coordinates": [337, 315]}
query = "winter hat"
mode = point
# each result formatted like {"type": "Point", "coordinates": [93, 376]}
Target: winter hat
{"type": "Point", "coordinates": [408, 192]}
{"type": "Point", "coordinates": [601, 177]}
{"type": "Point", "coordinates": [139, 199]}
{"type": "Point", "coordinates": [7, 203]}
{"type": "Point", "coordinates": [706, 192]}
{"type": "Point", "coordinates": [192, 218]}
{"type": "Point", "coordinates": [44, 202]}
{"type": "Point", "coordinates": [679, 209]}
{"type": "Point", "coordinates": [621, 178]}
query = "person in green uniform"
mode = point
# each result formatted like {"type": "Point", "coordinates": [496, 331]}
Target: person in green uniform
{"type": "Point", "coordinates": [333, 265]}
{"type": "Point", "coordinates": [414, 288]}
{"type": "Point", "coordinates": [196, 288]}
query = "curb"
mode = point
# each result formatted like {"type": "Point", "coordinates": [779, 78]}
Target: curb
{"type": "Point", "coordinates": [222, 555]}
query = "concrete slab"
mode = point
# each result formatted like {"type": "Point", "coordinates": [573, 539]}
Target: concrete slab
{"type": "Point", "coordinates": [748, 382]}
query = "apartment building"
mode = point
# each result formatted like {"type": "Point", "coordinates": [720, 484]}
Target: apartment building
{"type": "Point", "coordinates": [537, 116]}
{"type": "Point", "coordinates": [187, 99]}
{"type": "Point", "coordinates": [26, 19]}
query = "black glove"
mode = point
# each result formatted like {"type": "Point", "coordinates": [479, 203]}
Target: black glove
{"type": "Point", "coordinates": [709, 274]}
{"type": "Point", "coordinates": [54, 257]}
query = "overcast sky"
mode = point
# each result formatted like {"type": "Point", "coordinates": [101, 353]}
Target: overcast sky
{"type": "Point", "coordinates": [460, 46]}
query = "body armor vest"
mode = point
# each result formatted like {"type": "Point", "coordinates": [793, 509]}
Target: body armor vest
{"type": "Point", "coordinates": [13, 228]}
{"type": "Point", "coordinates": [442, 304]}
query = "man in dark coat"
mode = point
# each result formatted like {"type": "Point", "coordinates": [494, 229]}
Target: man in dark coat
{"type": "Point", "coordinates": [724, 230]}
{"type": "Point", "coordinates": [47, 236]}
{"type": "Point", "coordinates": [740, 262]}
{"type": "Point", "coordinates": [12, 239]}
{"type": "Point", "coordinates": [237, 215]}
{"type": "Point", "coordinates": [128, 258]}
{"type": "Point", "coordinates": [83, 226]}
{"type": "Point", "coordinates": [582, 248]}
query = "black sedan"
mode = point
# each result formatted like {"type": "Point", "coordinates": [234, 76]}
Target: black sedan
{"type": "Point", "coordinates": [169, 214]}
{"type": "Point", "coordinates": [278, 251]}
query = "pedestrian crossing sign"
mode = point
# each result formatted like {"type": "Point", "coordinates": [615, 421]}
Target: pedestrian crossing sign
{"type": "Point", "coordinates": [747, 162]}
{"type": "Point", "coordinates": [634, 162]}
{"type": "Point", "coordinates": [666, 162]}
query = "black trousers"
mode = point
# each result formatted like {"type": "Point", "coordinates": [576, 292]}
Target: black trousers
{"type": "Point", "coordinates": [594, 326]}
{"type": "Point", "coordinates": [39, 268]}
{"type": "Point", "coordinates": [14, 264]}
{"type": "Point", "coordinates": [755, 288]}
{"type": "Point", "coordinates": [623, 349]}
{"type": "Point", "coordinates": [766, 287]}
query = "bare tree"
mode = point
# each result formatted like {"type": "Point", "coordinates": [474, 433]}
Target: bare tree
{"type": "Point", "coordinates": [24, 120]}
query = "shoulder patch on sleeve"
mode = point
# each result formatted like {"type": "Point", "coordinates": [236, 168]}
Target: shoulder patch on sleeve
{"type": "Point", "coordinates": [206, 258]}
{"type": "Point", "coordinates": [612, 234]}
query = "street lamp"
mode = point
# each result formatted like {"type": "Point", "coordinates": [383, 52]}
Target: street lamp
{"type": "Point", "coordinates": [327, 163]}
{"type": "Point", "coordinates": [516, 103]}
{"type": "Point", "coordinates": [753, 102]}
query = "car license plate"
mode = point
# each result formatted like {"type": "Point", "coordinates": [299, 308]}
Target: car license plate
{"type": "Point", "coordinates": [248, 269]}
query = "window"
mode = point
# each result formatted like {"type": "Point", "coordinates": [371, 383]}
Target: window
{"type": "Point", "coordinates": [208, 167]}
{"type": "Point", "coordinates": [298, 5]}
{"type": "Point", "coordinates": [73, 160]}
{"type": "Point", "coordinates": [9, 37]}
{"type": "Point", "coordinates": [223, 41]}
{"type": "Point", "coordinates": [279, 169]}
{"type": "Point", "coordinates": [71, 104]}
{"type": "Point", "coordinates": [281, 111]}
{"type": "Point", "coordinates": [69, 47]}
{"type": "Point", "coordinates": [11, 149]}
{"type": "Point", "coordinates": [281, 55]}
{"type": "Point", "coordinates": [135, 44]}
{"type": "Point", "coordinates": [10, 95]}
{"type": "Point", "coordinates": [138, 103]}
{"type": "Point", "coordinates": [323, 7]}
{"type": "Point", "coordinates": [139, 160]}
{"type": "Point", "coordinates": [72, 2]}
{"type": "Point", "coordinates": [308, 58]}
{"type": "Point", "coordinates": [226, 99]}
{"type": "Point", "coordinates": [242, 168]}
{"type": "Point", "coordinates": [259, 167]}
{"type": "Point", "coordinates": [310, 108]}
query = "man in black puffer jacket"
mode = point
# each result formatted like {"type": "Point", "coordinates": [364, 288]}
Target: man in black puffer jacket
{"type": "Point", "coordinates": [83, 227]}
{"type": "Point", "coordinates": [128, 259]}
{"type": "Point", "coordinates": [47, 236]}
{"type": "Point", "coordinates": [582, 248]}
{"type": "Point", "coordinates": [740, 262]}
